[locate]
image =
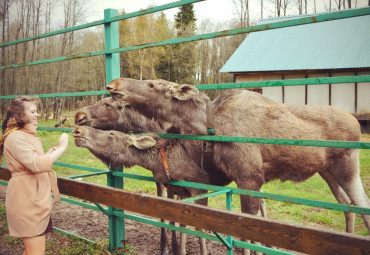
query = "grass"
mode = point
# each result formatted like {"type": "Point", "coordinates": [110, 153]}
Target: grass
{"type": "Point", "coordinates": [314, 188]}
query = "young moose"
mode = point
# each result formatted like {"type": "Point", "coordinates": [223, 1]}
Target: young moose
{"type": "Point", "coordinates": [119, 149]}
{"type": "Point", "coordinates": [243, 113]}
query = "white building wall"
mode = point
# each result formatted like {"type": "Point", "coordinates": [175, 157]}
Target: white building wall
{"type": "Point", "coordinates": [294, 94]}
{"type": "Point", "coordinates": [363, 95]}
{"type": "Point", "coordinates": [343, 95]}
{"type": "Point", "coordinates": [318, 94]}
{"type": "Point", "coordinates": [274, 93]}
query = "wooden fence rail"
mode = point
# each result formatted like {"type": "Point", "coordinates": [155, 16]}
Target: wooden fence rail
{"type": "Point", "coordinates": [267, 231]}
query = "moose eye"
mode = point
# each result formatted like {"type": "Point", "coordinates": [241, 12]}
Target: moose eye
{"type": "Point", "coordinates": [150, 85]}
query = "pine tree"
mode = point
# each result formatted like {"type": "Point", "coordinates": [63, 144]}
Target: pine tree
{"type": "Point", "coordinates": [185, 20]}
{"type": "Point", "coordinates": [184, 53]}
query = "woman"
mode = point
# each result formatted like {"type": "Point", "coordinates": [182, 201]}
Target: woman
{"type": "Point", "coordinates": [28, 197]}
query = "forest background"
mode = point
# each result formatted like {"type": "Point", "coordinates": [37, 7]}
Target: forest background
{"type": "Point", "coordinates": [192, 63]}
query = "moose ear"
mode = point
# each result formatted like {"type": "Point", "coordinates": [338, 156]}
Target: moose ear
{"type": "Point", "coordinates": [185, 92]}
{"type": "Point", "coordinates": [122, 105]}
{"type": "Point", "coordinates": [144, 142]}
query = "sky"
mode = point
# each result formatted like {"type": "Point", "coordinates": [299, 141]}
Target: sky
{"type": "Point", "coordinates": [221, 10]}
{"type": "Point", "coordinates": [215, 10]}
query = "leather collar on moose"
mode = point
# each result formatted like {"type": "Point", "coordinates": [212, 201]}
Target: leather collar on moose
{"type": "Point", "coordinates": [163, 144]}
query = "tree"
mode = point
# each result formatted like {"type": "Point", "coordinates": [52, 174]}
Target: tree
{"type": "Point", "coordinates": [281, 5]}
{"type": "Point", "coordinates": [165, 64]}
{"type": "Point", "coordinates": [150, 63]}
{"type": "Point", "coordinates": [184, 53]}
{"type": "Point", "coordinates": [242, 7]}
{"type": "Point", "coordinates": [300, 6]}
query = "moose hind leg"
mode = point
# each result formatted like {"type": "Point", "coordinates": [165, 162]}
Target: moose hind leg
{"type": "Point", "coordinates": [342, 198]}
{"type": "Point", "coordinates": [346, 172]}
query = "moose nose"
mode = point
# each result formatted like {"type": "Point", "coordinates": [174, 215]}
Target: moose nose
{"type": "Point", "coordinates": [80, 118]}
{"type": "Point", "coordinates": [109, 88]}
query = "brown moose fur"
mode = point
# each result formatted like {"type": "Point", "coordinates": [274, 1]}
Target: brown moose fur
{"type": "Point", "coordinates": [108, 114]}
{"type": "Point", "coordinates": [240, 112]}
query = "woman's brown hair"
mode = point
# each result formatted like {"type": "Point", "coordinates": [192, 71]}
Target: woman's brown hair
{"type": "Point", "coordinates": [16, 109]}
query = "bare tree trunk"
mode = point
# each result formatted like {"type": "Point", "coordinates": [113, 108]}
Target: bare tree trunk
{"type": "Point", "coordinates": [300, 7]}
{"type": "Point", "coordinates": [285, 6]}
{"type": "Point", "coordinates": [262, 9]}
{"type": "Point", "coordinates": [142, 56]}
{"type": "Point", "coordinates": [242, 8]}
{"type": "Point", "coordinates": [278, 8]}
{"type": "Point", "coordinates": [305, 6]}
{"type": "Point", "coordinates": [4, 15]}
{"type": "Point", "coordinates": [339, 4]}
{"type": "Point", "coordinates": [247, 11]}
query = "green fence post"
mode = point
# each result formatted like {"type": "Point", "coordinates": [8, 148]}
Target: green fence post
{"type": "Point", "coordinates": [112, 65]}
{"type": "Point", "coordinates": [229, 207]}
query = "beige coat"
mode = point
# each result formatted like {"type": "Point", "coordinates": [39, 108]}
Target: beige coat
{"type": "Point", "coordinates": [28, 196]}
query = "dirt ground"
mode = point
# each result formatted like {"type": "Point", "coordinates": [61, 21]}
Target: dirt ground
{"type": "Point", "coordinates": [93, 225]}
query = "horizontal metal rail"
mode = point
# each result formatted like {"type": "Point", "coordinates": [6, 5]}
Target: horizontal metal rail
{"type": "Point", "coordinates": [274, 25]}
{"type": "Point", "coordinates": [65, 94]}
{"type": "Point", "coordinates": [79, 167]}
{"type": "Point", "coordinates": [237, 85]}
{"type": "Point", "coordinates": [74, 235]}
{"type": "Point", "coordinates": [104, 21]}
{"type": "Point", "coordinates": [288, 199]}
{"type": "Point", "coordinates": [288, 82]}
{"type": "Point", "coordinates": [242, 139]}
{"type": "Point", "coordinates": [265, 140]}
{"type": "Point", "coordinates": [86, 175]}
{"type": "Point", "coordinates": [207, 195]}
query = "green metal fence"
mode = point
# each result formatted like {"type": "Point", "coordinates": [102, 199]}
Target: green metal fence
{"type": "Point", "coordinates": [115, 178]}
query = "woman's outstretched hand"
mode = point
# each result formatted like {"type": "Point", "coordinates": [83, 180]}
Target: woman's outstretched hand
{"type": "Point", "coordinates": [57, 151]}
{"type": "Point", "coordinates": [63, 141]}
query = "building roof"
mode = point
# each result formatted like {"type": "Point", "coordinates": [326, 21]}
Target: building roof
{"type": "Point", "coordinates": [336, 44]}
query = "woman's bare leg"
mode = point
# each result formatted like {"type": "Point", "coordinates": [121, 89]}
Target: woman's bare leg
{"type": "Point", "coordinates": [34, 245]}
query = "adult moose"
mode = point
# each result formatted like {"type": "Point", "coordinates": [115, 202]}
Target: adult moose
{"type": "Point", "coordinates": [108, 114]}
{"type": "Point", "coordinates": [240, 112]}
